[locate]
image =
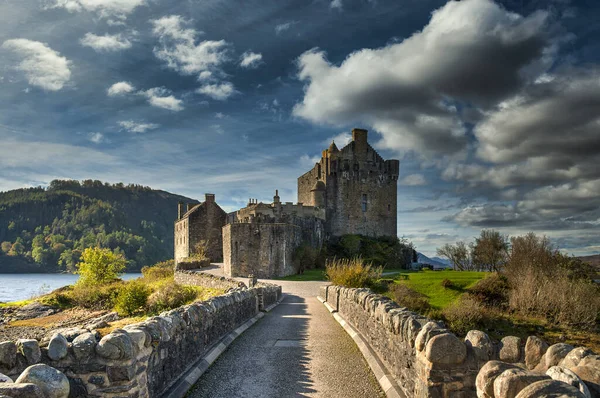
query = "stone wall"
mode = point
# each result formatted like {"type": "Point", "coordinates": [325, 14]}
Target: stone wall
{"type": "Point", "coordinates": [142, 359]}
{"type": "Point", "coordinates": [205, 280]}
{"type": "Point", "coordinates": [263, 250]}
{"type": "Point", "coordinates": [424, 359]}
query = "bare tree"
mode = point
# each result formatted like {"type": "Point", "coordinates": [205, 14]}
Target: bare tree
{"type": "Point", "coordinates": [490, 251]}
{"type": "Point", "coordinates": [458, 254]}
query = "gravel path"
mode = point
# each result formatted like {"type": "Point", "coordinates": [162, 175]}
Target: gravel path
{"type": "Point", "coordinates": [296, 350]}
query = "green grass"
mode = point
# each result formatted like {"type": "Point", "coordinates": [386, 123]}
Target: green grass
{"type": "Point", "coordinates": [317, 274]}
{"type": "Point", "coordinates": [16, 303]}
{"type": "Point", "coordinates": [429, 283]}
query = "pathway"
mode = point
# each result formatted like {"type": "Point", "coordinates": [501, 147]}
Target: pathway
{"type": "Point", "coordinates": [296, 350]}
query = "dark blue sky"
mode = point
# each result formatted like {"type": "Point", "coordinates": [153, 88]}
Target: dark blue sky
{"type": "Point", "coordinates": [493, 108]}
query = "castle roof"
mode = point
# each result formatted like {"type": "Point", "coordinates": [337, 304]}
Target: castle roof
{"type": "Point", "coordinates": [333, 147]}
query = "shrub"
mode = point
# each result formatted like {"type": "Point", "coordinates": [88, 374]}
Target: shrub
{"type": "Point", "coordinates": [491, 291]}
{"type": "Point", "coordinates": [96, 297]}
{"type": "Point", "coordinates": [406, 297]}
{"type": "Point", "coordinates": [447, 284]}
{"type": "Point", "coordinates": [304, 257]}
{"type": "Point", "coordinates": [464, 315]}
{"type": "Point", "coordinates": [352, 273]}
{"type": "Point", "coordinates": [169, 296]}
{"type": "Point", "coordinates": [99, 266]}
{"type": "Point", "coordinates": [158, 271]}
{"type": "Point", "coordinates": [132, 298]}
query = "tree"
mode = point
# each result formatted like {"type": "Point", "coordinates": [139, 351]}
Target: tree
{"type": "Point", "coordinates": [490, 251]}
{"type": "Point", "coordinates": [100, 266]}
{"type": "Point", "coordinates": [458, 255]}
{"type": "Point", "coordinates": [6, 246]}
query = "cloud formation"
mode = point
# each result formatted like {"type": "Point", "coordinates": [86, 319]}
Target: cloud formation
{"type": "Point", "coordinates": [413, 180]}
{"type": "Point", "coordinates": [104, 8]}
{"type": "Point", "coordinates": [137, 127]}
{"type": "Point", "coordinates": [178, 48]}
{"type": "Point", "coordinates": [120, 88]}
{"type": "Point", "coordinates": [105, 43]}
{"type": "Point", "coordinates": [160, 98]}
{"type": "Point", "coordinates": [471, 51]}
{"type": "Point", "coordinates": [43, 67]}
{"type": "Point", "coordinates": [218, 91]}
{"type": "Point", "coordinates": [250, 60]}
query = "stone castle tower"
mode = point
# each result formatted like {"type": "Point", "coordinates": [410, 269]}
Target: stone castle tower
{"type": "Point", "coordinates": [356, 187]}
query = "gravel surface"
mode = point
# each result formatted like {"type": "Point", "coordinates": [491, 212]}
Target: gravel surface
{"type": "Point", "coordinates": [298, 349]}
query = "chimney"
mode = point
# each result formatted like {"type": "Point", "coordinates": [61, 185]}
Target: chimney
{"type": "Point", "coordinates": [359, 137]}
{"type": "Point", "coordinates": [276, 197]}
{"type": "Point", "coordinates": [209, 197]}
{"type": "Point", "coordinates": [179, 210]}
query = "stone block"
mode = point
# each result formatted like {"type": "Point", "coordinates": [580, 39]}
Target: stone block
{"type": "Point", "coordinates": [590, 376]}
{"type": "Point", "coordinates": [21, 390]}
{"type": "Point", "coordinates": [8, 354]}
{"type": "Point", "coordinates": [52, 382]}
{"type": "Point", "coordinates": [57, 347]}
{"type": "Point", "coordinates": [512, 381]}
{"type": "Point", "coordinates": [553, 356]}
{"type": "Point", "coordinates": [535, 348]}
{"type": "Point", "coordinates": [549, 389]}
{"type": "Point", "coordinates": [120, 373]}
{"type": "Point", "coordinates": [83, 346]}
{"type": "Point", "coordinates": [567, 376]}
{"type": "Point", "coordinates": [428, 331]}
{"type": "Point", "coordinates": [480, 344]}
{"type": "Point", "coordinates": [116, 345]}
{"type": "Point", "coordinates": [510, 349]}
{"type": "Point", "coordinates": [30, 349]}
{"type": "Point", "coordinates": [97, 380]}
{"type": "Point", "coordinates": [487, 375]}
{"type": "Point", "coordinates": [575, 356]}
{"type": "Point", "coordinates": [446, 349]}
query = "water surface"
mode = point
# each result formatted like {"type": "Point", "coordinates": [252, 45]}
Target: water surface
{"type": "Point", "coordinates": [16, 287]}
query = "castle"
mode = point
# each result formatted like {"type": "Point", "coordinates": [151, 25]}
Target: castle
{"type": "Point", "coordinates": [349, 191]}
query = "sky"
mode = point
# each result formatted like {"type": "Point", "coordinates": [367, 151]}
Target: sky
{"type": "Point", "coordinates": [492, 107]}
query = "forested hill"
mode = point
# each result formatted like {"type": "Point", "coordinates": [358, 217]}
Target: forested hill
{"type": "Point", "coordinates": [46, 229]}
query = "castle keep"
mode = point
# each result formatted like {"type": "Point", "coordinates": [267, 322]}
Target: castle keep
{"type": "Point", "coordinates": [349, 191]}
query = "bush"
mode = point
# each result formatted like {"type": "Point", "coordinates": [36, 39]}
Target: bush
{"type": "Point", "coordinates": [464, 315]}
{"type": "Point", "coordinates": [169, 296]}
{"type": "Point", "coordinates": [491, 291]}
{"type": "Point", "coordinates": [132, 298]}
{"type": "Point", "coordinates": [163, 270]}
{"type": "Point", "coordinates": [305, 257]}
{"type": "Point", "coordinates": [101, 297]}
{"type": "Point", "coordinates": [352, 273]}
{"type": "Point", "coordinates": [447, 284]}
{"type": "Point", "coordinates": [406, 297]}
{"type": "Point", "coordinates": [99, 266]}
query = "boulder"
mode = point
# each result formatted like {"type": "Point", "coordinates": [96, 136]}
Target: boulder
{"type": "Point", "coordinates": [590, 376]}
{"type": "Point", "coordinates": [5, 379]}
{"type": "Point", "coordinates": [574, 357]}
{"type": "Point", "coordinates": [34, 310]}
{"type": "Point", "coordinates": [535, 348]}
{"type": "Point", "coordinates": [116, 345]}
{"type": "Point", "coordinates": [8, 354]}
{"type": "Point", "coordinates": [512, 381]}
{"type": "Point", "coordinates": [549, 389]}
{"type": "Point", "coordinates": [30, 349]}
{"type": "Point", "coordinates": [567, 376]}
{"type": "Point", "coordinates": [487, 375]}
{"type": "Point", "coordinates": [83, 346]}
{"type": "Point", "coordinates": [52, 383]}
{"type": "Point", "coordinates": [510, 349]}
{"type": "Point", "coordinates": [58, 347]}
{"type": "Point", "coordinates": [21, 390]}
{"type": "Point", "coordinates": [426, 333]}
{"type": "Point", "coordinates": [553, 356]}
{"type": "Point", "coordinates": [481, 344]}
{"type": "Point", "coordinates": [446, 349]}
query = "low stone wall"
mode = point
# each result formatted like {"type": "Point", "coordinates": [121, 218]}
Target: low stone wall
{"type": "Point", "coordinates": [142, 359]}
{"type": "Point", "coordinates": [268, 294]}
{"type": "Point", "coordinates": [203, 279]}
{"type": "Point", "coordinates": [425, 359]}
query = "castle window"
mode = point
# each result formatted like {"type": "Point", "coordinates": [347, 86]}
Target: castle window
{"type": "Point", "coordinates": [364, 202]}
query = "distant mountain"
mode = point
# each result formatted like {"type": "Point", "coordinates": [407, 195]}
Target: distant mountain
{"type": "Point", "coordinates": [435, 261]}
{"type": "Point", "coordinates": [46, 229]}
{"type": "Point", "coordinates": [593, 260]}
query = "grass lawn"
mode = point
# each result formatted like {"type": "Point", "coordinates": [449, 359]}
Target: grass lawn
{"type": "Point", "coordinates": [308, 275]}
{"type": "Point", "coordinates": [429, 283]}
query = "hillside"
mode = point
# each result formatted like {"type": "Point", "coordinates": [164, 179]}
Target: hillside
{"type": "Point", "coordinates": [45, 229]}
{"type": "Point", "coordinates": [592, 260]}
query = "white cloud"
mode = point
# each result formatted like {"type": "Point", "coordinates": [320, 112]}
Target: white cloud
{"type": "Point", "coordinates": [96, 138]}
{"type": "Point", "coordinates": [218, 128]}
{"type": "Point", "coordinates": [250, 60]}
{"type": "Point", "coordinates": [414, 180]}
{"type": "Point", "coordinates": [309, 161]}
{"type": "Point", "coordinates": [120, 88]}
{"type": "Point", "coordinates": [105, 43]}
{"type": "Point", "coordinates": [471, 51]}
{"type": "Point", "coordinates": [159, 98]}
{"type": "Point", "coordinates": [337, 4]}
{"type": "Point", "coordinates": [341, 140]}
{"type": "Point", "coordinates": [284, 26]}
{"type": "Point", "coordinates": [219, 91]}
{"type": "Point", "coordinates": [104, 8]}
{"type": "Point", "coordinates": [43, 67]}
{"type": "Point", "coordinates": [219, 115]}
{"type": "Point", "coordinates": [178, 49]}
{"type": "Point", "coordinates": [136, 127]}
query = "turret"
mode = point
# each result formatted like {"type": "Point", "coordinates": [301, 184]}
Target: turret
{"type": "Point", "coordinates": [276, 198]}
{"type": "Point", "coordinates": [359, 137]}
{"type": "Point", "coordinates": [318, 194]}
